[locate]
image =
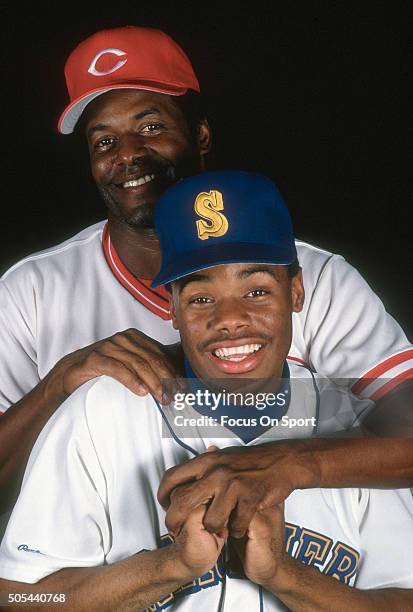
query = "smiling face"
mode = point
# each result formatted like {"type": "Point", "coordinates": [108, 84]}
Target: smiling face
{"type": "Point", "coordinates": [139, 144]}
{"type": "Point", "coordinates": [235, 319]}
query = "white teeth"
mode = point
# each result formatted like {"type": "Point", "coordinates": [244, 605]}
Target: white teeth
{"type": "Point", "coordinates": [141, 181]}
{"type": "Point", "coordinates": [229, 352]}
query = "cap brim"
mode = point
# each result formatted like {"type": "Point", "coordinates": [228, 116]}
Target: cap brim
{"type": "Point", "coordinates": [194, 261]}
{"type": "Point", "coordinates": [72, 113]}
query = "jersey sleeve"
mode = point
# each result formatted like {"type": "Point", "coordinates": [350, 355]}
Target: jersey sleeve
{"type": "Point", "coordinates": [351, 337]}
{"type": "Point", "coordinates": [60, 519]}
{"type": "Point", "coordinates": [18, 358]}
{"type": "Point", "coordinates": [386, 536]}
{"type": "Point", "coordinates": [338, 408]}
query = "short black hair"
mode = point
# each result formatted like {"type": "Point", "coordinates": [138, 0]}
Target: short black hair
{"type": "Point", "coordinates": [293, 268]}
{"type": "Point", "coordinates": [194, 109]}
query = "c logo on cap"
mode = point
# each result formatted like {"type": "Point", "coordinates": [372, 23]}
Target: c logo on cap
{"type": "Point", "coordinates": [207, 205]}
{"type": "Point", "coordinates": [93, 70]}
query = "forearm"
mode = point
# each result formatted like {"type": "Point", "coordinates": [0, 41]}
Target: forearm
{"type": "Point", "coordinates": [132, 584]}
{"type": "Point", "coordinates": [360, 462]}
{"type": "Point", "coordinates": [304, 588]}
{"type": "Point", "coordinates": [19, 429]}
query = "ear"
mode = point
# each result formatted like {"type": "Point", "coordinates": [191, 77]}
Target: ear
{"type": "Point", "coordinates": [297, 292]}
{"type": "Point", "coordinates": [172, 310]}
{"type": "Point", "coordinates": [204, 137]}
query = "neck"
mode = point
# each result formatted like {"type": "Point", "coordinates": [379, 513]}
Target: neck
{"type": "Point", "coordinates": [137, 248]}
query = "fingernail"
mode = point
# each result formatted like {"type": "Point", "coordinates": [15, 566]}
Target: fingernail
{"type": "Point", "coordinates": [143, 390]}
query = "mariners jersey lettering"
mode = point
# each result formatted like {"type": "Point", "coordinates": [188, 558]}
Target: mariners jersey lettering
{"type": "Point", "coordinates": [106, 493]}
{"type": "Point", "coordinates": [341, 562]}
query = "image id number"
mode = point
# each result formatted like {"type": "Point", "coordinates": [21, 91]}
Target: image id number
{"type": "Point", "coordinates": [36, 598]}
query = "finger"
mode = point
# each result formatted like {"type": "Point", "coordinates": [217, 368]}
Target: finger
{"type": "Point", "coordinates": [217, 515]}
{"type": "Point", "coordinates": [142, 390]}
{"type": "Point", "coordinates": [274, 497]}
{"type": "Point", "coordinates": [104, 365]}
{"type": "Point", "coordinates": [241, 518]}
{"type": "Point", "coordinates": [195, 518]}
{"type": "Point", "coordinates": [268, 525]}
{"type": "Point", "coordinates": [145, 371]}
{"type": "Point", "coordinates": [149, 361]}
{"type": "Point", "coordinates": [139, 339]}
{"type": "Point", "coordinates": [223, 534]}
{"type": "Point", "coordinates": [184, 500]}
{"type": "Point", "coordinates": [150, 351]}
{"type": "Point", "coordinates": [212, 449]}
{"type": "Point", "coordinates": [181, 474]}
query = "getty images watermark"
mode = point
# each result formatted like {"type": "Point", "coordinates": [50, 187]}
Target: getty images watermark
{"type": "Point", "coordinates": [220, 412]}
{"type": "Point", "coordinates": [299, 407]}
{"type": "Point", "coordinates": [220, 401]}
{"type": "Point", "coordinates": [211, 399]}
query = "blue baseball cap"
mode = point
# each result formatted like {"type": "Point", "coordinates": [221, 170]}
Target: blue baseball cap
{"type": "Point", "coordinates": [217, 218]}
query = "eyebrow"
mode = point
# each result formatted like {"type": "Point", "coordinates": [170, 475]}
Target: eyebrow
{"type": "Point", "coordinates": [99, 127]}
{"type": "Point", "coordinates": [194, 278]}
{"type": "Point", "coordinates": [259, 270]}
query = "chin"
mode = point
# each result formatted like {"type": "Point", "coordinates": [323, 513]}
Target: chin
{"type": "Point", "coordinates": [141, 217]}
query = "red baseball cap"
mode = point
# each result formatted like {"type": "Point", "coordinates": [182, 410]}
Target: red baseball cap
{"type": "Point", "coordinates": [129, 57]}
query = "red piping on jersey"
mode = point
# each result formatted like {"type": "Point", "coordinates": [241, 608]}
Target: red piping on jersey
{"type": "Point", "coordinates": [298, 360]}
{"type": "Point", "coordinates": [155, 300]}
{"type": "Point", "coordinates": [380, 369]}
{"type": "Point", "coordinates": [392, 384]}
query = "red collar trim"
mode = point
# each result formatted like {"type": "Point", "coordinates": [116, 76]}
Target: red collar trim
{"type": "Point", "coordinates": [155, 300]}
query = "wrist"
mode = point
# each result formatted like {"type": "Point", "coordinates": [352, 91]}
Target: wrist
{"type": "Point", "coordinates": [176, 568]}
{"type": "Point", "coordinates": [305, 467]}
{"type": "Point", "coordinates": [53, 389]}
{"type": "Point", "coordinates": [285, 578]}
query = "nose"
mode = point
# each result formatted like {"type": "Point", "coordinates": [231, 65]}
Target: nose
{"type": "Point", "coordinates": [230, 316]}
{"type": "Point", "coordinates": [131, 148]}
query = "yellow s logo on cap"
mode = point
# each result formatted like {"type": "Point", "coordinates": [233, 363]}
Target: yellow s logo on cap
{"type": "Point", "coordinates": [213, 223]}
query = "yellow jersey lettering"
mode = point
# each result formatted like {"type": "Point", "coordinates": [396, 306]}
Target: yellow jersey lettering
{"type": "Point", "coordinates": [344, 563]}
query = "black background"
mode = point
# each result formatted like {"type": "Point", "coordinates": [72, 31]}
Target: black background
{"type": "Point", "coordinates": [314, 94]}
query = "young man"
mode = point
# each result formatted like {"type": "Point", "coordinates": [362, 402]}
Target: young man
{"type": "Point", "coordinates": [63, 311]}
{"type": "Point", "coordinates": [89, 534]}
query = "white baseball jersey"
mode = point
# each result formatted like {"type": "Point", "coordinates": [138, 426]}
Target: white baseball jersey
{"type": "Point", "coordinates": [72, 295]}
{"type": "Point", "coordinates": [104, 453]}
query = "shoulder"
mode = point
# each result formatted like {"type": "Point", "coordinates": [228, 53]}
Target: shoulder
{"type": "Point", "coordinates": [317, 263]}
{"type": "Point", "coordinates": [325, 264]}
{"type": "Point", "coordinates": [312, 254]}
{"type": "Point", "coordinates": [81, 242]}
{"type": "Point", "coordinates": [103, 405]}
{"type": "Point", "coordinates": [100, 420]}
{"type": "Point", "coordinates": [328, 276]}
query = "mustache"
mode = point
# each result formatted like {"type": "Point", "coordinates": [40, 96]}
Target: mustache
{"type": "Point", "coordinates": [162, 168]}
